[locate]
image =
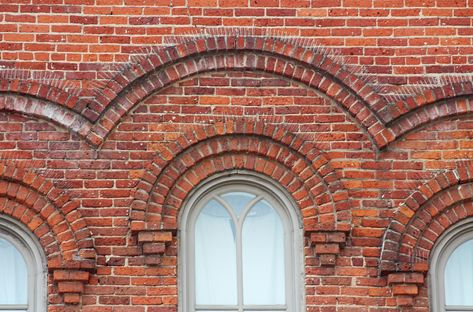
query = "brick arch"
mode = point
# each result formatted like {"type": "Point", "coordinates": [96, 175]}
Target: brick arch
{"type": "Point", "coordinates": [253, 162]}
{"type": "Point", "coordinates": [159, 195]}
{"type": "Point", "coordinates": [455, 106]}
{"type": "Point", "coordinates": [405, 245]}
{"type": "Point", "coordinates": [39, 90]}
{"type": "Point", "coordinates": [391, 113]}
{"type": "Point", "coordinates": [223, 54]}
{"type": "Point", "coordinates": [45, 206]}
{"type": "Point", "coordinates": [54, 219]}
{"type": "Point", "coordinates": [24, 103]}
{"type": "Point", "coordinates": [426, 235]}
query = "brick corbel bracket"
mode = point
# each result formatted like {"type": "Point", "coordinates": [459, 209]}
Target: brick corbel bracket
{"type": "Point", "coordinates": [405, 284]}
{"type": "Point", "coordinates": [71, 278]}
{"type": "Point", "coordinates": [154, 244]}
{"type": "Point", "coordinates": [328, 241]}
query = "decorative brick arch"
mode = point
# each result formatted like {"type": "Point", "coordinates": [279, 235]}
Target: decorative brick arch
{"type": "Point", "coordinates": [455, 106]}
{"type": "Point", "coordinates": [94, 119]}
{"type": "Point", "coordinates": [296, 165]}
{"type": "Point", "coordinates": [419, 222]}
{"type": "Point", "coordinates": [55, 221]}
{"type": "Point", "coordinates": [40, 91]}
{"type": "Point", "coordinates": [391, 113]}
{"type": "Point", "coordinates": [45, 109]}
{"type": "Point", "coordinates": [223, 54]}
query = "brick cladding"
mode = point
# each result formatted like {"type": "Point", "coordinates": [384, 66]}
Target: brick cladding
{"type": "Point", "coordinates": [99, 177]}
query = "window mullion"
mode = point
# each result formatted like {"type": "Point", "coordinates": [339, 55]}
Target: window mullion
{"type": "Point", "coordinates": [239, 226]}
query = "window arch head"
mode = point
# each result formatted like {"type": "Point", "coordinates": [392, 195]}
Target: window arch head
{"type": "Point", "coordinates": [240, 247]}
{"type": "Point", "coordinates": [22, 269]}
{"type": "Point", "coordinates": [451, 276]}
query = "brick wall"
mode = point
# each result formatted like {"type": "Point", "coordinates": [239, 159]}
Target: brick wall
{"type": "Point", "coordinates": [111, 111]}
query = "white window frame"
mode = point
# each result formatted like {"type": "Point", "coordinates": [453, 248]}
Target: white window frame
{"type": "Point", "coordinates": [290, 218]}
{"type": "Point", "coordinates": [27, 244]}
{"type": "Point", "coordinates": [444, 247]}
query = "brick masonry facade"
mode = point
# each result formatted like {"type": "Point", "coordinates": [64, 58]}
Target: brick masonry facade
{"type": "Point", "coordinates": [112, 111]}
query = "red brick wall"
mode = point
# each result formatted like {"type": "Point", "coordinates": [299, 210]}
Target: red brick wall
{"type": "Point", "coordinates": [99, 147]}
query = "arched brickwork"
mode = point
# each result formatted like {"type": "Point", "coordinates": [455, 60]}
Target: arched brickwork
{"type": "Point", "coordinates": [40, 91]}
{"type": "Point", "coordinates": [455, 106]}
{"type": "Point", "coordinates": [384, 122]}
{"type": "Point", "coordinates": [390, 113]}
{"type": "Point", "coordinates": [181, 165]}
{"type": "Point", "coordinates": [57, 224]}
{"type": "Point", "coordinates": [423, 217]}
{"type": "Point", "coordinates": [94, 119]}
{"type": "Point", "coordinates": [219, 54]}
{"type": "Point", "coordinates": [50, 207]}
{"type": "Point", "coordinates": [25, 104]}
{"type": "Point", "coordinates": [419, 222]}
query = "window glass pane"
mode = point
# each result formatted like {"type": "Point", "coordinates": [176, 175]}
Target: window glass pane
{"type": "Point", "coordinates": [238, 200]}
{"type": "Point", "coordinates": [263, 256]}
{"type": "Point", "coordinates": [215, 256]}
{"type": "Point", "coordinates": [13, 275]}
{"type": "Point", "coordinates": [459, 276]}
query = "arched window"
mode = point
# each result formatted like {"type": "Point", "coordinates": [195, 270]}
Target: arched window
{"type": "Point", "coordinates": [241, 248]}
{"type": "Point", "coordinates": [452, 270]}
{"type": "Point", "coordinates": [22, 269]}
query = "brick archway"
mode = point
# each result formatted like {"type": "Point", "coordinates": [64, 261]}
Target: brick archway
{"type": "Point", "coordinates": [419, 222]}
{"type": "Point", "coordinates": [226, 54]}
{"type": "Point", "coordinates": [45, 109]}
{"type": "Point", "coordinates": [53, 218]}
{"type": "Point", "coordinates": [93, 119]}
{"type": "Point", "coordinates": [430, 97]}
{"type": "Point", "coordinates": [296, 165]}
{"type": "Point", "coordinates": [429, 201]}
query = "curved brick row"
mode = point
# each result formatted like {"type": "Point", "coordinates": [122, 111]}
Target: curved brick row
{"type": "Point", "coordinates": [55, 221]}
{"type": "Point", "coordinates": [317, 181]}
{"type": "Point", "coordinates": [40, 91]}
{"type": "Point", "coordinates": [95, 119]}
{"type": "Point", "coordinates": [173, 64]}
{"type": "Point", "coordinates": [47, 110]}
{"type": "Point", "coordinates": [431, 113]}
{"type": "Point", "coordinates": [419, 239]}
{"type": "Point", "coordinates": [281, 51]}
{"type": "Point", "coordinates": [390, 113]}
{"type": "Point", "coordinates": [55, 210]}
{"type": "Point", "coordinates": [422, 234]}
{"type": "Point", "coordinates": [433, 199]}
{"type": "Point", "coordinates": [36, 220]}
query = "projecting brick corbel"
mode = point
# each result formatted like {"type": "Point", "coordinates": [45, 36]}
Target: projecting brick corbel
{"type": "Point", "coordinates": [71, 284]}
{"type": "Point", "coordinates": [154, 245]}
{"type": "Point", "coordinates": [328, 243]}
{"type": "Point", "coordinates": [71, 276]}
{"type": "Point", "coordinates": [405, 286]}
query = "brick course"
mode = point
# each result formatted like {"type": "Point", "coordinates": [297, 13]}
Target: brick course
{"type": "Point", "coordinates": [111, 112]}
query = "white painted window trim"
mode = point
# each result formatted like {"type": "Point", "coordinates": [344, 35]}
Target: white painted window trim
{"type": "Point", "coordinates": [288, 211]}
{"type": "Point", "coordinates": [446, 244]}
{"type": "Point", "coordinates": [28, 245]}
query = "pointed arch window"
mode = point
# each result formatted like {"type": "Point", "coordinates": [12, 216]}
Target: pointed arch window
{"type": "Point", "coordinates": [242, 244]}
